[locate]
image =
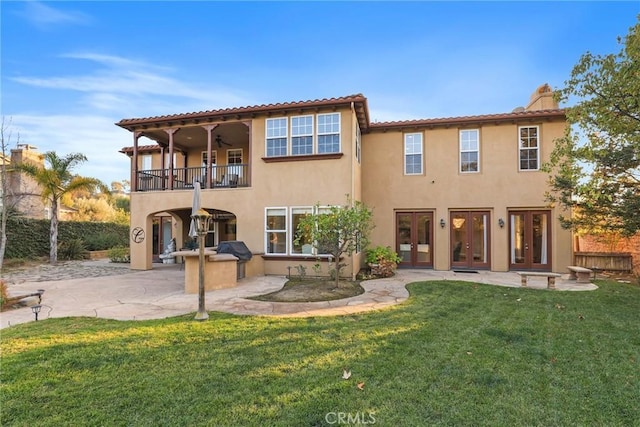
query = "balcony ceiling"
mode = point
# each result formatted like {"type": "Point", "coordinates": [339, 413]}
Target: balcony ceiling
{"type": "Point", "coordinates": [188, 137]}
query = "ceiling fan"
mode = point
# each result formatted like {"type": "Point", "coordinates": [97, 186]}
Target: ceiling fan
{"type": "Point", "coordinates": [220, 142]}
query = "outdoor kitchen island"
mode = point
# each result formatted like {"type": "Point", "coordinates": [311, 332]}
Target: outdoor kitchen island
{"type": "Point", "coordinates": [220, 270]}
{"type": "Point", "coordinates": [223, 266]}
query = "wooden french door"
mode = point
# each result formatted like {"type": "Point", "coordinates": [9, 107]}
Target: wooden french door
{"type": "Point", "coordinates": [469, 238]}
{"type": "Point", "coordinates": [414, 238]}
{"type": "Point", "coordinates": [530, 240]}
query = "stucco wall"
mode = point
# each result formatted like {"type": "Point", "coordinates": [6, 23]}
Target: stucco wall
{"type": "Point", "coordinates": [295, 183]}
{"type": "Point", "coordinates": [498, 187]}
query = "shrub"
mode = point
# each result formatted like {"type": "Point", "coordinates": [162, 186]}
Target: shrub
{"type": "Point", "coordinates": [72, 249]}
{"type": "Point", "coordinates": [3, 293]}
{"type": "Point", "coordinates": [382, 253]}
{"type": "Point", "coordinates": [383, 261]}
{"type": "Point", "coordinates": [101, 242]}
{"type": "Point", "coordinates": [119, 254]}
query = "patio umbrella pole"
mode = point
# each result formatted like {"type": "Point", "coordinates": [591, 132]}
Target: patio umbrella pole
{"type": "Point", "coordinates": [202, 312]}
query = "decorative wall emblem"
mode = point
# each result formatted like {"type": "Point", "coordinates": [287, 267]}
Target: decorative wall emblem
{"type": "Point", "coordinates": [137, 235]}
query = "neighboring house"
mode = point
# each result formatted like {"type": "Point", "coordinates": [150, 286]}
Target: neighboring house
{"type": "Point", "coordinates": [456, 193]}
{"type": "Point", "coordinates": [23, 193]}
{"type": "Point", "coordinates": [5, 164]}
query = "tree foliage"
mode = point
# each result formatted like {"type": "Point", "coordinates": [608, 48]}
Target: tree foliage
{"type": "Point", "coordinates": [596, 166]}
{"type": "Point", "coordinates": [338, 230]}
{"type": "Point", "coordinates": [55, 179]}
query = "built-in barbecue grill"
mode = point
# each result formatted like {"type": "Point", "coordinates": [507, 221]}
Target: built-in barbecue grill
{"type": "Point", "coordinates": [238, 249]}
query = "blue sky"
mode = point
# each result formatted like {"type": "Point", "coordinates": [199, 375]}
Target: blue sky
{"type": "Point", "coordinates": [70, 70]}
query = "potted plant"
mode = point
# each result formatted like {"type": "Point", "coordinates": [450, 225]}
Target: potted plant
{"type": "Point", "coordinates": [383, 261]}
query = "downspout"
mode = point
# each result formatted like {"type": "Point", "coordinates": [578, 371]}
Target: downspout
{"type": "Point", "coordinates": [353, 184]}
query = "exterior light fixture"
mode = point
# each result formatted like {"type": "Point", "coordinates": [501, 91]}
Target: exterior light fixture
{"type": "Point", "coordinates": [501, 223]}
{"type": "Point", "coordinates": [201, 219]}
{"type": "Point", "coordinates": [442, 223]}
{"type": "Point", "coordinates": [36, 309]}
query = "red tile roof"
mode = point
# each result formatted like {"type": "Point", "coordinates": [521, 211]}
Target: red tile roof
{"type": "Point", "coordinates": [141, 148]}
{"type": "Point", "coordinates": [471, 120]}
{"type": "Point", "coordinates": [359, 101]}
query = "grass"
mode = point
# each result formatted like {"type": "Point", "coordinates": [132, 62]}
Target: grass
{"type": "Point", "coordinates": [454, 354]}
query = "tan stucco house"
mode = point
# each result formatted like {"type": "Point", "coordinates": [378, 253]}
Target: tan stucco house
{"type": "Point", "coordinates": [450, 193]}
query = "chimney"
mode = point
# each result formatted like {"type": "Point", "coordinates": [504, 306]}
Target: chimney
{"type": "Point", "coordinates": [542, 99]}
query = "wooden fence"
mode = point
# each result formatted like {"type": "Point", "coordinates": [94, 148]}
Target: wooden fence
{"type": "Point", "coordinates": [609, 261]}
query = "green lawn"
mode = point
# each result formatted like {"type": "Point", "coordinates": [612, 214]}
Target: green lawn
{"type": "Point", "coordinates": [454, 354]}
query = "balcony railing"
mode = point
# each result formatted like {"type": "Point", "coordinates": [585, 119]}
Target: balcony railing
{"type": "Point", "coordinates": [227, 176]}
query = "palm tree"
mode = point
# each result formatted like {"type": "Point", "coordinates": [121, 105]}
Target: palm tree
{"type": "Point", "coordinates": [55, 181]}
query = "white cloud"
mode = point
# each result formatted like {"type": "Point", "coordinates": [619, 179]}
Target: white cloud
{"type": "Point", "coordinates": [122, 83]}
{"type": "Point", "coordinates": [44, 16]}
{"type": "Point", "coordinates": [94, 136]}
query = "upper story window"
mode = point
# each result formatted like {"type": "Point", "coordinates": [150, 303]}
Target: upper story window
{"type": "Point", "coordinates": [167, 158]}
{"type": "Point", "coordinates": [214, 158]}
{"type": "Point", "coordinates": [413, 153]}
{"type": "Point", "coordinates": [301, 135]}
{"type": "Point", "coordinates": [277, 137]}
{"type": "Point", "coordinates": [298, 137]}
{"type": "Point", "coordinates": [470, 150]}
{"type": "Point", "coordinates": [529, 151]}
{"type": "Point", "coordinates": [329, 133]}
{"type": "Point", "coordinates": [145, 161]}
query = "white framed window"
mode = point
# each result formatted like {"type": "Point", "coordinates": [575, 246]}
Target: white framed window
{"type": "Point", "coordinates": [469, 150]}
{"type": "Point", "coordinates": [167, 158]}
{"type": "Point", "coordinates": [328, 133]}
{"type": "Point", "coordinates": [146, 162]}
{"type": "Point", "coordinates": [234, 166]}
{"type": "Point", "coordinates": [301, 135]}
{"type": "Point", "coordinates": [282, 236]}
{"type": "Point", "coordinates": [413, 154]}
{"type": "Point", "coordinates": [275, 241]}
{"type": "Point", "coordinates": [276, 137]}
{"type": "Point", "coordinates": [234, 156]}
{"type": "Point", "coordinates": [300, 244]}
{"type": "Point", "coordinates": [529, 148]}
{"type": "Point", "coordinates": [214, 158]}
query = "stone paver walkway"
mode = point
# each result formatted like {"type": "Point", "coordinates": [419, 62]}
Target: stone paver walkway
{"type": "Point", "coordinates": [113, 291]}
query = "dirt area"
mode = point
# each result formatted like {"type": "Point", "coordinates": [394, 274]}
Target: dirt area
{"type": "Point", "coordinates": [312, 290]}
{"type": "Point", "coordinates": [617, 276]}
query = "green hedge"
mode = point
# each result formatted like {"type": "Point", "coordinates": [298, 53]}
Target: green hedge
{"type": "Point", "coordinates": [29, 238]}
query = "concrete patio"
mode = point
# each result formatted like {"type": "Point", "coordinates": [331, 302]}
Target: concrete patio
{"type": "Point", "coordinates": [115, 292]}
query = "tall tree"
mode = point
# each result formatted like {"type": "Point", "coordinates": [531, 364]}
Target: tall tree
{"type": "Point", "coordinates": [55, 178]}
{"type": "Point", "coordinates": [596, 166]}
{"type": "Point", "coordinates": [337, 230]}
{"type": "Point", "coordinates": [5, 138]}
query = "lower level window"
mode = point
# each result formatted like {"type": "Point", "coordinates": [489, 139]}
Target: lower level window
{"type": "Point", "coordinates": [282, 236]}
{"type": "Point", "coordinates": [276, 231]}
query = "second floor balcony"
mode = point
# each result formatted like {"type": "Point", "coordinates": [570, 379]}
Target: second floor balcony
{"type": "Point", "coordinates": [226, 176]}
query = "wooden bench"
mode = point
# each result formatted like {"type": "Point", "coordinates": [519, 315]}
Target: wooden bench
{"type": "Point", "coordinates": [551, 277]}
{"type": "Point", "coordinates": [580, 274]}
